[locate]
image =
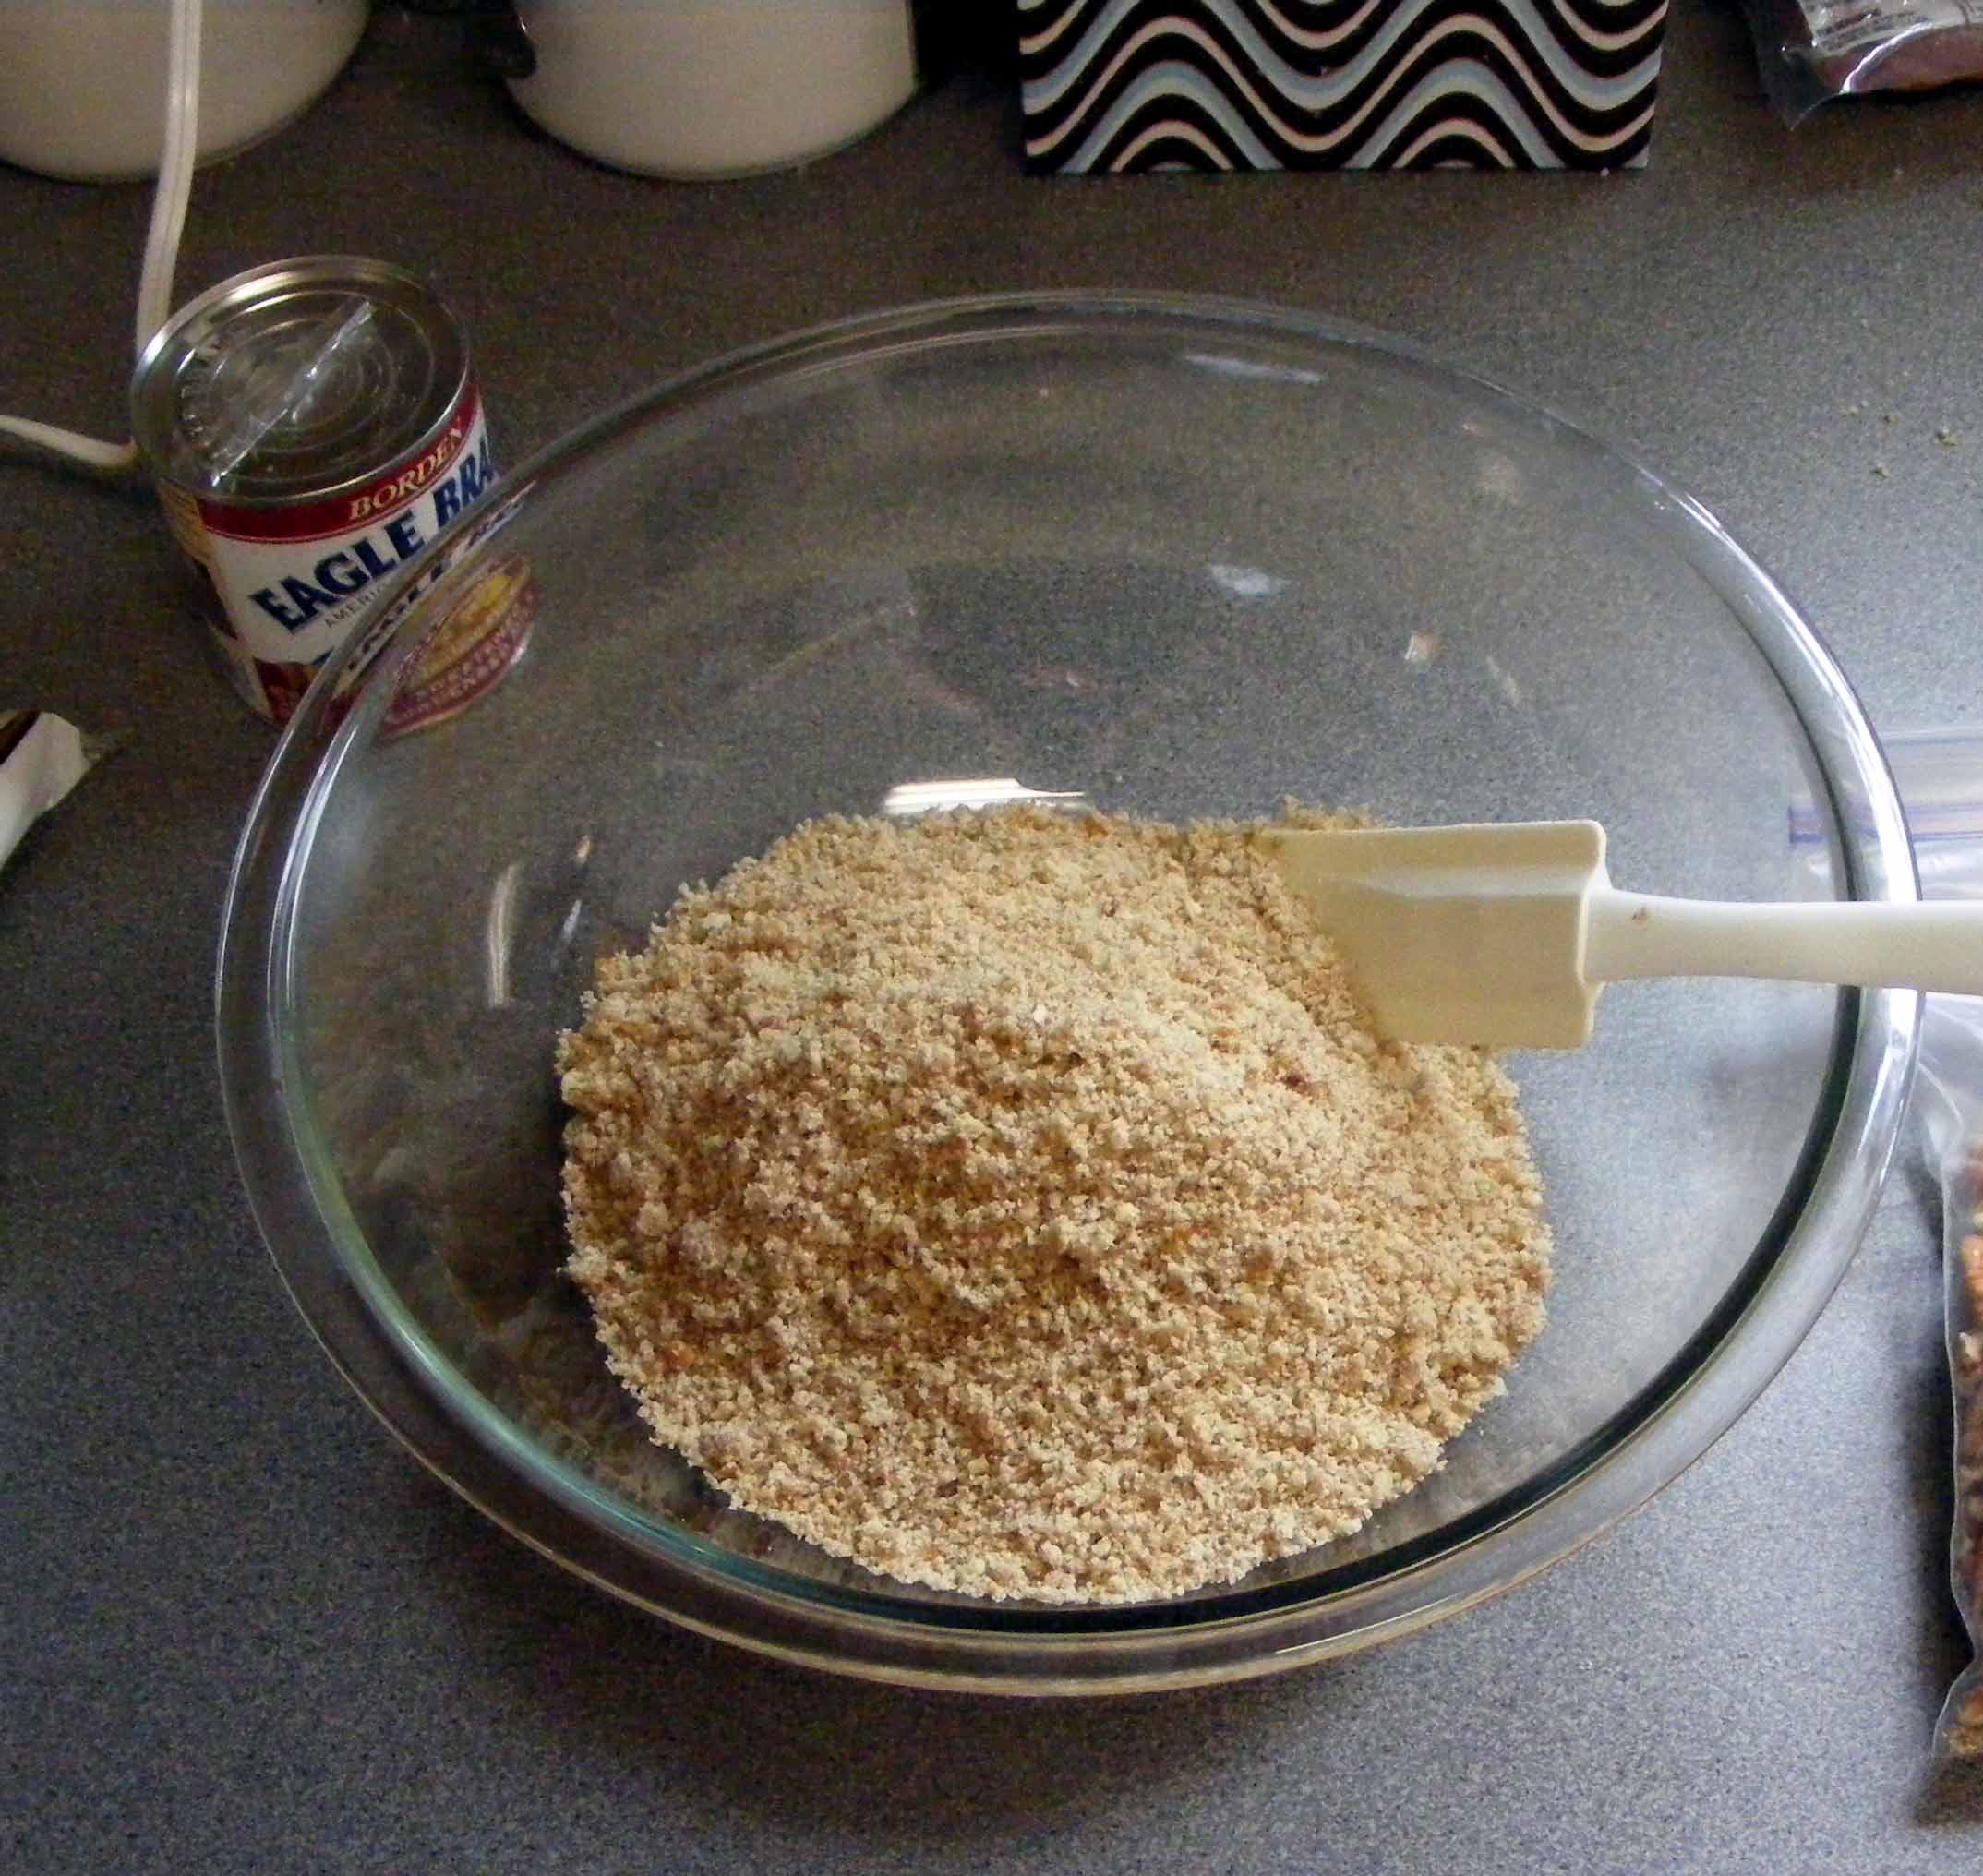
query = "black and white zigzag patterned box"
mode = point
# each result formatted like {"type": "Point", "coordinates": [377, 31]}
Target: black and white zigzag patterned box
{"type": "Point", "coordinates": [1120, 85]}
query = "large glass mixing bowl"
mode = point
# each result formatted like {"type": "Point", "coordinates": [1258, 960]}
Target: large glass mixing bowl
{"type": "Point", "coordinates": [1184, 559]}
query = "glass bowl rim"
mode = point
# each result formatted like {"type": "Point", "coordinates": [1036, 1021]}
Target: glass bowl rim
{"type": "Point", "coordinates": [425, 1400]}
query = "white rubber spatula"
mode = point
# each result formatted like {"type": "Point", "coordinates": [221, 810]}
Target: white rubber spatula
{"type": "Point", "coordinates": [1503, 934]}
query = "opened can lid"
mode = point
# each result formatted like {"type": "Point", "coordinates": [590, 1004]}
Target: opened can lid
{"type": "Point", "coordinates": [297, 380]}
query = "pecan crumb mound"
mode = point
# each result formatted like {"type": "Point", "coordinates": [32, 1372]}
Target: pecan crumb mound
{"type": "Point", "coordinates": [1018, 1203]}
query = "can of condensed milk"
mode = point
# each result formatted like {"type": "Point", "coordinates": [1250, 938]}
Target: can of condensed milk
{"type": "Point", "coordinates": [311, 425]}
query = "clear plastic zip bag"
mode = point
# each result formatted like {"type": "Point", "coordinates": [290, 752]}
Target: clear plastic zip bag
{"type": "Point", "coordinates": [1940, 774]}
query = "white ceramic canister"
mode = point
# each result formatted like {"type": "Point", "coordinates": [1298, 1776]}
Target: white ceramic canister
{"type": "Point", "coordinates": [713, 88]}
{"type": "Point", "coordinates": [83, 82]}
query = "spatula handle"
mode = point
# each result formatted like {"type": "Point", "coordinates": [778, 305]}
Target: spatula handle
{"type": "Point", "coordinates": [1936, 947]}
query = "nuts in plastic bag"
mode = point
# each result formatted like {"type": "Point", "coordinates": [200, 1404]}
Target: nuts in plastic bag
{"type": "Point", "coordinates": [1951, 1103]}
{"type": "Point", "coordinates": [1810, 50]}
{"type": "Point", "coordinates": [1940, 774]}
{"type": "Point", "coordinates": [1949, 1094]}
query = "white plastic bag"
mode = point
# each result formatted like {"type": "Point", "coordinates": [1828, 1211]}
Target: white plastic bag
{"type": "Point", "coordinates": [42, 758]}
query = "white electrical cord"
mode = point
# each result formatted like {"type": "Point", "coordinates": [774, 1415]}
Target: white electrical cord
{"type": "Point", "coordinates": [161, 240]}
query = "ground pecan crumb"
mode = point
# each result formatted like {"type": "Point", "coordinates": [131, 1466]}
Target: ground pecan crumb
{"type": "Point", "coordinates": [1018, 1203]}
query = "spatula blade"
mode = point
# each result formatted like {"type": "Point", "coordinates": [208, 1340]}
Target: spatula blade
{"type": "Point", "coordinates": [1466, 934]}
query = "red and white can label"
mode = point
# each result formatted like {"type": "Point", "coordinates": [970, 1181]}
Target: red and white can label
{"type": "Point", "coordinates": [288, 584]}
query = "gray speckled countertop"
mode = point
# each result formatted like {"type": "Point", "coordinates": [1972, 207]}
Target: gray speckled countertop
{"type": "Point", "coordinates": [245, 1632]}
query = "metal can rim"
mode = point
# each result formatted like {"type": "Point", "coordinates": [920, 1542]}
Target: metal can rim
{"type": "Point", "coordinates": [153, 425]}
